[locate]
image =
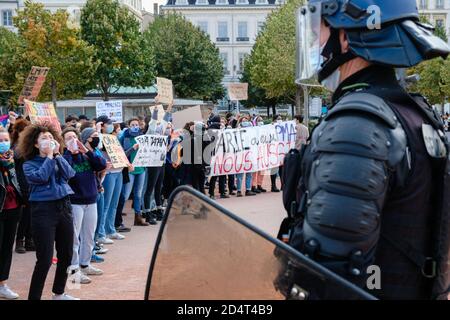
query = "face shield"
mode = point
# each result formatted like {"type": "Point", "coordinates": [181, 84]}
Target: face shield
{"type": "Point", "coordinates": [309, 59]}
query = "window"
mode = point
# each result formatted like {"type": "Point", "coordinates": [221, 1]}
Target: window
{"type": "Point", "coordinates": [202, 2]}
{"type": "Point", "coordinates": [223, 31]}
{"type": "Point", "coordinates": [261, 2]}
{"type": "Point", "coordinates": [224, 57]}
{"type": "Point", "coordinates": [242, 56]}
{"type": "Point", "coordinates": [222, 2]}
{"type": "Point", "coordinates": [439, 4]}
{"type": "Point", "coordinates": [423, 4]}
{"type": "Point", "coordinates": [181, 2]}
{"type": "Point", "coordinates": [260, 26]}
{"type": "Point", "coordinates": [241, 1]}
{"type": "Point", "coordinates": [7, 18]}
{"type": "Point", "coordinates": [203, 25]}
{"type": "Point", "coordinates": [242, 31]}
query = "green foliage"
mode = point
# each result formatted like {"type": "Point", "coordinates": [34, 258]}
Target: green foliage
{"type": "Point", "coordinates": [187, 56]}
{"type": "Point", "coordinates": [122, 57]}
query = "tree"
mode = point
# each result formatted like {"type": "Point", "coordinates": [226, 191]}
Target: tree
{"type": "Point", "coordinates": [187, 56]}
{"type": "Point", "coordinates": [46, 40]}
{"type": "Point", "coordinates": [122, 57]}
{"type": "Point", "coordinates": [9, 44]}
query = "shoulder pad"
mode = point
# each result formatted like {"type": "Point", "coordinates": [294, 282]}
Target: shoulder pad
{"type": "Point", "coordinates": [368, 103]}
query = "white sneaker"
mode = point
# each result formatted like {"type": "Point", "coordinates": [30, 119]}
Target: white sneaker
{"type": "Point", "coordinates": [102, 251]}
{"type": "Point", "coordinates": [91, 271]}
{"type": "Point", "coordinates": [63, 297]}
{"type": "Point", "coordinates": [80, 277]}
{"type": "Point", "coordinates": [116, 236]}
{"type": "Point", "coordinates": [7, 293]}
{"type": "Point", "coordinates": [105, 241]}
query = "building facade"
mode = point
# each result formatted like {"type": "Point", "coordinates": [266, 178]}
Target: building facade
{"type": "Point", "coordinates": [437, 12]}
{"type": "Point", "coordinates": [8, 9]}
{"type": "Point", "coordinates": [232, 26]}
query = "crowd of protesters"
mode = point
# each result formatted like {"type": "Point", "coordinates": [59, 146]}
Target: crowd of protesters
{"type": "Point", "coordinates": [60, 190]}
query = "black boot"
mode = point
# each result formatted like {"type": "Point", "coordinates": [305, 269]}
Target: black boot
{"type": "Point", "coordinates": [159, 214]}
{"type": "Point", "coordinates": [29, 245]}
{"type": "Point", "coordinates": [20, 246]}
{"type": "Point", "coordinates": [150, 218]}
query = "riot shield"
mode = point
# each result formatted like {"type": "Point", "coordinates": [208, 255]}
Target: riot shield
{"type": "Point", "coordinates": [205, 252]}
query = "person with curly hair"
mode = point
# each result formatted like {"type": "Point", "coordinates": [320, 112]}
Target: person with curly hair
{"type": "Point", "coordinates": [48, 173]}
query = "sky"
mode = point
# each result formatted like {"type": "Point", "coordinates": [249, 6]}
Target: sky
{"type": "Point", "coordinates": [148, 4]}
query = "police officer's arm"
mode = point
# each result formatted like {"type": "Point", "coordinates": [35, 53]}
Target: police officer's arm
{"type": "Point", "coordinates": [357, 151]}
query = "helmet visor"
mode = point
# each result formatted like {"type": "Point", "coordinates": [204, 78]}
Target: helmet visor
{"type": "Point", "coordinates": [309, 59]}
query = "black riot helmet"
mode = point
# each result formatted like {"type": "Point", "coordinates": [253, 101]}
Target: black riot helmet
{"type": "Point", "coordinates": [384, 32]}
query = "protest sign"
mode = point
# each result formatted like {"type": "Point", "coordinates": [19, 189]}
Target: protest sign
{"type": "Point", "coordinates": [4, 120]}
{"type": "Point", "coordinates": [33, 84]}
{"type": "Point", "coordinates": [238, 91]}
{"type": "Point", "coordinates": [152, 151]}
{"type": "Point", "coordinates": [165, 90]}
{"type": "Point", "coordinates": [43, 113]}
{"type": "Point", "coordinates": [115, 151]}
{"type": "Point", "coordinates": [252, 149]}
{"type": "Point", "coordinates": [111, 109]}
{"type": "Point", "coordinates": [180, 118]}
{"type": "Point", "coordinates": [161, 111]}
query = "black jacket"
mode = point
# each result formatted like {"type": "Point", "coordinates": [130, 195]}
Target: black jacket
{"type": "Point", "coordinates": [3, 183]}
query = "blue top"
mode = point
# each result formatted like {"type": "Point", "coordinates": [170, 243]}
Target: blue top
{"type": "Point", "coordinates": [48, 178]}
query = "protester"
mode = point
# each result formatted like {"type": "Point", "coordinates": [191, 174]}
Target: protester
{"type": "Point", "coordinates": [82, 119]}
{"type": "Point", "coordinates": [258, 177]}
{"type": "Point", "coordinates": [244, 122]}
{"type": "Point", "coordinates": [112, 186]}
{"type": "Point", "coordinates": [215, 125]}
{"type": "Point", "coordinates": [24, 238]}
{"type": "Point", "coordinates": [47, 173]}
{"type": "Point", "coordinates": [71, 121]}
{"type": "Point", "coordinates": [10, 210]}
{"type": "Point", "coordinates": [155, 175]}
{"type": "Point", "coordinates": [86, 164]}
{"type": "Point", "coordinates": [302, 132]}
{"type": "Point", "coordinates": [136, 177]}
{"type": "Point", "coordinates": [275, 171]}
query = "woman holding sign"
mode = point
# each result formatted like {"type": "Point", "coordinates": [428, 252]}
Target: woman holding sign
{"type": "Point", "coordinates": [136, 177]}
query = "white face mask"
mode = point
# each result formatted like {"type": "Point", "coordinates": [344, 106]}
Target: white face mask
{"type": "Point", "coordinates": [333, 81]}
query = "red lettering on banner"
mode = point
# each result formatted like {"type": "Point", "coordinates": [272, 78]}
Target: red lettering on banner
{"type": "Point", "coordinates": [225, 164]}
{"type": "Point", "coordinates": [248, 161]}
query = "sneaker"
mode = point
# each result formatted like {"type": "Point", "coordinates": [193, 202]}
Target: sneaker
{"type": "Point", "coordinates": [224, 196]}
{"type": "Point", "coordinates": [261, 189]}
{"type": "Point", "coordinates": [150, 218]}
{"type": "Point", "coordinates": [116, 236]}
{"type": "Point", "coordinates": [101, 251]}
{"type": "Point", "coordinates": [96, 259]}
{"type": "Point", "coordinates": [63, 297]}
{"type": "Point", "coordinates": [80, 277]}
{"type": "Point", "coordinates": [212, 197]}
{"type": "Point", "coordinates": [249, 193]}
{"type": "Point", "coordinates": [232, 193]}
{"type": "Point", "coordinates": [105, 241]}
{"type": "Point", "coordinates": [7, 293]}
{"type": "Point", "coordinates": [239, 194]}
{"type": "Point", "coordinates": [91, 271]}
{"type": "Point", "coordinates": [122, 228]}
{"type": "Point", "coordinates": [275, 189]}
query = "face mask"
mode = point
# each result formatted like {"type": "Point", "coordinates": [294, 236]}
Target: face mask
{"type": "Point", "coordinates": [260, 123]}
{"type": "Point", "coordinates": [5, 146]}
{"type": "Point", "coordinates": [279, 121]}
{"type": "Point", "coordinates": [245, 124]}
{"type": "Point", "coordinates": [316, 58]}
{"type": "Point", "coordinates": [109, 129]}
{"type": "Point", "coordinates": [333, 81]}
{"type": "Point", "coordinates": [95, 142]}
{"type": "Point", "coordinates": [44, 144]}
{"type": "Point", "coordinates": [134, 129]}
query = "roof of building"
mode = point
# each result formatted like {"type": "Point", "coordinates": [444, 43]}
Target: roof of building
{"type": "Point", "coordinates": [230, 2]}
{"type": "Point", "coordinates": [126, 91]}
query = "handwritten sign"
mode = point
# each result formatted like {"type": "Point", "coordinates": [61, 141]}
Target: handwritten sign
{"type": "Point", "coordinates": [161, 111]}
{"type": "Point", "coordinates": [165, 90]}
{"type": "Point", "coordinates": [238, 91]}
{"type": "Point", "coordinates": [33, 84]}
{"type": "Point", "coordinates": [152, 151]}
{"type": "Point", "coordinates": [111, 109]}
{"type": "Point", "coordinates": [180, 118]}
{"type": "Point", "coordinates": [43, 113]}
{"type": "Point", "coordinates": [252, 149]}
{"type": "Point", "coordinates": [115, 151]}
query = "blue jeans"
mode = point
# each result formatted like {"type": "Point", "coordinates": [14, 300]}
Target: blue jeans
{"type": "Point", "coordinates": [113, 187]}
{"type": "Point", "coordinates": [101, 216]}
{"type": "Point", "coordinates": [136, 185]}
{"type": "Point", "coordinates": [248, 181]}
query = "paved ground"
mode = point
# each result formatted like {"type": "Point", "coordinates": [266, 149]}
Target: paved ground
{"type": "Point", "coordinates": [127, 262]}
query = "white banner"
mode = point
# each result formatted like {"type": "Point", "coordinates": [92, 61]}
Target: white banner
{"type": "Point", "coordinates": [111, 109]}
{"type": "Point", "coordinates": [152, 151]}
{"type": "Point", "coordinates": [252, 149]}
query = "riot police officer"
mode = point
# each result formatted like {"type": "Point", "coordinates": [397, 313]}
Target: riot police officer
{"type": "Point", "coordinates": [375, 178]}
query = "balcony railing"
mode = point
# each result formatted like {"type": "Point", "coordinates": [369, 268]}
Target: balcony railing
{"type": "Point", "coordinates": [224, 39]}
{"type": "Point", "coordinates": [242, 39]}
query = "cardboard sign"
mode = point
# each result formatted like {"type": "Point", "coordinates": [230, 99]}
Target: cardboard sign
{"type": "Point", "coordinates": [252, 149]}
{"type": "Point", "coordinates": [165, 90]}
{"type": "Point", "coordinates": [33, 84]}
{"type": "Point", "coordinates": [152, 151]}
{"type": "Point", "coordinates": [111, 109]}
{"type": "Point", "coordinates": [182, 117]}
{"type": "Point", "coordinates": [161, 111]}
{"type": "Point", "coordinates": [238, 91]}
{"type": "Point", "coordinates": [43, 113]}
{"type": "Point", "coordinates": [115, 151]}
